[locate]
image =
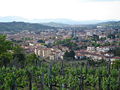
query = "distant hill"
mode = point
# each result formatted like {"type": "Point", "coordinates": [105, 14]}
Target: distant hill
{"type": "Point", "coordinates": [110, 24]}
{"type": "Point", "coordinates": [17, 26]}
{"type": "Point", "coordinates": [53, 24]}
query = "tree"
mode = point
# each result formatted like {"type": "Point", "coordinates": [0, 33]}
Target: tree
{"type": "Point", "coordinates": [5, 51]}
{"type": "Point", "coordinates": [115, 51]}
{"type": "Point", "coordinates": [95, 37]}
{"type": "Point", "coordinates": [41, 41]}
{"type": "Point", "coordinates": [111, 36]}
{"type": "Point", "coordinates": [116, 64]}
{"type": "Point", "coordinates": [5, 59]}
{"type": "Point", "coordinates": [68, 43]}
{"type": "Point", "coordinates": [70, 54]}
{"type": "Point", "coordinates": [5, 45]}
{"type": "Point", "coordinates": [19, 56]}
{"type": "Point", "coordinates": [66, 54]}
{"type": "Point", "coordinates": [32, 59]}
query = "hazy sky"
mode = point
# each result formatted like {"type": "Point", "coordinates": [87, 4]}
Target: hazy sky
{"type": "Point", "coordinates": [69, 9]}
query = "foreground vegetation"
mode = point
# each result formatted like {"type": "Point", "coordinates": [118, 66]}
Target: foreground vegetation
{"type": "Point", "coordinates": [60, 76]}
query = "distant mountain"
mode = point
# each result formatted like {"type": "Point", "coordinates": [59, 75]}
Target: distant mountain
{"type": "Point", "coordinates": [13, 18]}
{"type": "Point", "coordinates": [66, 21]}
{"type": "Point", "coordinates": [59, 20]}
{"type": "Point", "coordinates": [17, 26]}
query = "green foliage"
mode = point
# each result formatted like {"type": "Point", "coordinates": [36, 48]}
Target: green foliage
{"type": "Point", "coordinates": [32, 59]}
{"type": "Point", "coordinates": [5, 59]}
{"type": "Point", "coordinates": [70, 55]}
{"type": "Point", "coordinates": [6, 48]}
{"type": "Point", "coordinates": [68, 43]}
{"type": "Point", "coordinates": [5, 45]}
{"type": "Point", "coordinates": [95, 37]}
{"type": "Point", "coordinates": [17, 26]}
{"type": "Point", "coordinates": [115, 51]}
{"type": "Point", "coordinates": [41, 41]}
{"type": "Point", "coordinates": [26, 38]}
{"type": "Point", "coordinates": [111, 36]}
{"type": "Point", "coordinates": [95, 44]}
{"type": "Point", "coordinates": [75, 76]}
{"type": "Point", "coordinates": [116, 63]}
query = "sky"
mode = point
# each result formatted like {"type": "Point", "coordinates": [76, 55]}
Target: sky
{"type": "Point", "coordinates": [67, 9]}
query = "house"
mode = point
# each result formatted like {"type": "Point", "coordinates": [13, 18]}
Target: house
{"type": "Point", "coordinates": [91, 49]}
{"type": "Point", "coordinates": [43, 52]}
{"type": "Point", "coordinates": [95, 56]}
{"type": "Point", "coordinates": [102, 49]}
{"type": "Point", "coordinates": [49, 53]}
{"type": "Point", "coordinates": [31, 44]}
{"type": "Point", "coordinates": [89, 33]}
{"type": "Point", "coordinates": [102, 36]}
{"type": "Point", "coordinates": [79, 56]}
{"type": "Point", "coordinates": [49, 41]}
{"type": "Point", "coordinates": [108, 54]}
{"type": "Point", "coordinates": [115, 58]}
{"type": "Point", "coordinates": [52, 57]}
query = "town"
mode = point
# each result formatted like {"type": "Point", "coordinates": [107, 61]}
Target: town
{"type": "Point", "coordinates": [95, 44]}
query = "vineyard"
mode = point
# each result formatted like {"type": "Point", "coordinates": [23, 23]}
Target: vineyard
{"type": "Point", "coordinates": [61, 75]}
